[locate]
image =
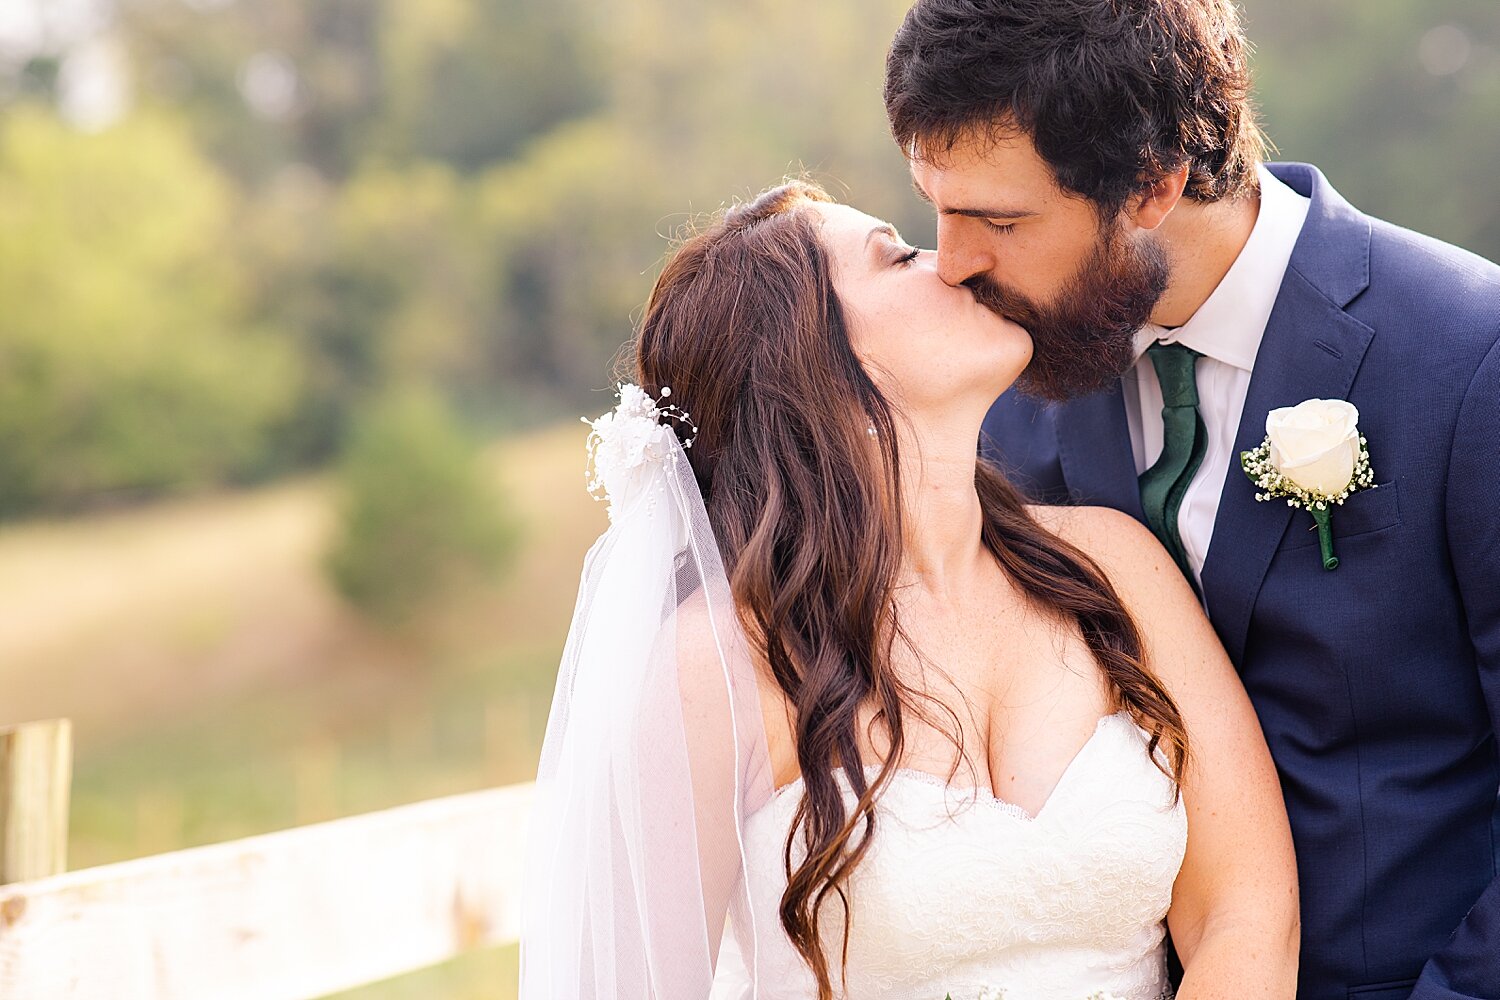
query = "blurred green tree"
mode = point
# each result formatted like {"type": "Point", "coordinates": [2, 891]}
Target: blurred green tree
{"type": "Point", "coordinates": [577, 211]}
{"type": "Point", "coordinates": [382, 275]}
{"type": "Point", "coordinates": [128, 361]}
{"type": "Point", "coordinates": [329, 83]}
{"type": "Point", "coordinates": [470, 82]}
{"type": "Point", "coordinates": [418, 520]}
{"type": "Point", "coordinates": [707, 103]}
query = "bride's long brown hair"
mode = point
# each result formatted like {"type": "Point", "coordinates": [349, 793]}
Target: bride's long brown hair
{"type": "Point", "coordinates": [745, 327]}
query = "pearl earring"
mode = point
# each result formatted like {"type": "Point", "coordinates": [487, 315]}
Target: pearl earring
{"type": "Point", "coordinates": [872, 431]}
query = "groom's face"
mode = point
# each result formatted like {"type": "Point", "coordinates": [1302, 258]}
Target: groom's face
{"type": "Point", "coordinates": [1041, 256]}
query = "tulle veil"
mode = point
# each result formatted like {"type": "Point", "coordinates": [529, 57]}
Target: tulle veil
{"type": "Point", "coordinates": [655, 752]}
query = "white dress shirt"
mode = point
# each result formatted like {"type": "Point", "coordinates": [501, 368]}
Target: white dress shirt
{"type": "Point", "coordinates": [1227, 331]}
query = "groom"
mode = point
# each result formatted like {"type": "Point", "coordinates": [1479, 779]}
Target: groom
{"type": "Point", "coordinates": [1096, 171]}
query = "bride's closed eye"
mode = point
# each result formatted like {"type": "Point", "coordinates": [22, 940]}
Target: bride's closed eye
{"type": "Point", "coordinates": [907, 258]}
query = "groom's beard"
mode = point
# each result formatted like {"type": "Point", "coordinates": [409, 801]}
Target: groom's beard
{"type": "Point", "coordinates": [1085, 339]}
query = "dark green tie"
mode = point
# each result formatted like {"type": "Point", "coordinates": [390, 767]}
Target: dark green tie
{"type": "Point", "coordinates": [1184, 441]}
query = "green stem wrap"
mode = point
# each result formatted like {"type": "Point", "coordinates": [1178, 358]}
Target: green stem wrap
{"type": "Point", "coordinates": [1325, 537]}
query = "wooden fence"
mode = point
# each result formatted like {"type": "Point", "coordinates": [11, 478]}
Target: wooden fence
{"type": "Point", "coordinates": [284, 916]}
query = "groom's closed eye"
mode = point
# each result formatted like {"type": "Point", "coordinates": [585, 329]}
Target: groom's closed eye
{"type": "Point", "coordinates": [994, 217]}
{"type": "Point", "coordinates": [991, 216]}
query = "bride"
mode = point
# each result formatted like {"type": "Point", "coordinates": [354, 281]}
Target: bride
{"type": "Point", "coordinates": [840, 716]}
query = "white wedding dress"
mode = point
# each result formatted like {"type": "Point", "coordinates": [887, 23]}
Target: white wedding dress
{"type": "Point", "coordinates": [962, 891]}
{"type": "Point", "coordinates": [655, 808]}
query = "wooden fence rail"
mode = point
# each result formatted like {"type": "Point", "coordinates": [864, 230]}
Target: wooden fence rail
{"type": "Point", "coordinates": [285, 916]}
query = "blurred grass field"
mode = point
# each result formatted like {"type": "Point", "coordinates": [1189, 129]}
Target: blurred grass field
{"type": "Point", "coordinates": [220, 689]}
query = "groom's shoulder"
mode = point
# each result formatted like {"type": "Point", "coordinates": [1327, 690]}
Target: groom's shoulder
{"type": "Point", "coordinates": [1393, 272]}
{"type": "Point", "coordinates": [1421, 267]}
{"type": "Point", "coordinates": [1434, 306]}
{"type": "Point", "coordinates": [1428, 300]}
{"type": "Point", "coordinates": [1432, 283]}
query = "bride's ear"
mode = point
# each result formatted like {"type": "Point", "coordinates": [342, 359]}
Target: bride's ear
{"type": "Point", "coordinates": [1151, 207]}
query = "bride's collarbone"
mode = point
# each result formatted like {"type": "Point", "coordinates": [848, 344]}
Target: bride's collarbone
{"type": "Point", "coordinates": [1026, 692]}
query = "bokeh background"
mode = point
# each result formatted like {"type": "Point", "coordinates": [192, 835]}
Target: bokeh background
{"type": "Point", "coordinates": [300, 301]}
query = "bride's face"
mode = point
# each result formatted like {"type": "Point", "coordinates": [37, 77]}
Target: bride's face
{"type": "Point", "coordinates": [930, 344]}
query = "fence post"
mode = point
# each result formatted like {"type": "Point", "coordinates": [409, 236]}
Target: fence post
{"type": "Point", "coordinates": [36, 770]}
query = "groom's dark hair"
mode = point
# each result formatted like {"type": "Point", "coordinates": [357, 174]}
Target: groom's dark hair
{"type": "Point", "coordinates": [1113, 93]}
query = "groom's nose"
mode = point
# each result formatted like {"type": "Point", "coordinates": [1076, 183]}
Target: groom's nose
{"type": "Point", "coordinates": [960, 255]}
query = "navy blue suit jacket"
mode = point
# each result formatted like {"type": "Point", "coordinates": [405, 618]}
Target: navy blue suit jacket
{"type": "Point", "coordinates": [1377, 684]}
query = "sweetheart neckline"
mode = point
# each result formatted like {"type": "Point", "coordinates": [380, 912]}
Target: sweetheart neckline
{"type": "Point", "coordinates": [979, 793]}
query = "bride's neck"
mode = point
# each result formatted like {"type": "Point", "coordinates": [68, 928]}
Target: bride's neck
{"type": "Point", "coordinates": [943, 518]}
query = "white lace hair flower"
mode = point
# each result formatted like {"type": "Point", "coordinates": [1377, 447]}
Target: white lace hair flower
{"type": "Point", "coordinates": [630, 443]}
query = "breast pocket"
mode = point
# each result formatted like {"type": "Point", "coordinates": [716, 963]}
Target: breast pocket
{"type": "Point", "coordinates": [1383, 991]}
{"type": "Point", "coordinates": [1370, 510]}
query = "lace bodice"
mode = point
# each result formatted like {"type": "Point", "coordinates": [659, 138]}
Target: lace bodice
{"type": "Point", "coordinates": [962, 891]}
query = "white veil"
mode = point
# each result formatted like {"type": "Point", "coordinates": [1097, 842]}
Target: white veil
{"type": "Point", "coordinates": [655, 751]}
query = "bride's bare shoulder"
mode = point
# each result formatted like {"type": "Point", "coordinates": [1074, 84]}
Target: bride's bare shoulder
{"type": "Point", "coordinates": [1149, 584]}
{"type": "Point", "coordinates": [1094, 527]}
{"type": "Point", "coordinates": [710, 640]}
{"type": "Point", "coordinates": [1124, 548]}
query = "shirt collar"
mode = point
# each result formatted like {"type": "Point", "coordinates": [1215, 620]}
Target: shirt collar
{"type": "Point", "coordinates": [1228, 327]}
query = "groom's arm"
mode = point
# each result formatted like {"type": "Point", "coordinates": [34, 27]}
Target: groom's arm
{"type": "Point", "coordinates": [1468, 967]}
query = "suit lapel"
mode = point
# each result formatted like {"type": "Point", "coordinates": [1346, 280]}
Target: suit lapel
{"type": "Point", "coordinates": [1312, 349]}
{"type": "Point", "coordinates": [1093, 447]}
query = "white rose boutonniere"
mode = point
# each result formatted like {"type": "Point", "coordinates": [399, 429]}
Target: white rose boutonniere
{"type": "Point", "coordinates": [1313, 457]}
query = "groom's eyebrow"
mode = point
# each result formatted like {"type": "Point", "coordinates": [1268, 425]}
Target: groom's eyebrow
{"type": "Point", "coordinates": [974, 213]}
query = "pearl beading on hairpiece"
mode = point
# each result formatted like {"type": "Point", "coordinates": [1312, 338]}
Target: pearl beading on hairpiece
{"type": "Point", "coordinates": [634, 435]}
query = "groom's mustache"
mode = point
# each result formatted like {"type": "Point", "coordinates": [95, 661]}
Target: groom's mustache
{"type": "Point", "coordinates": [1085, 339]}
{"type": "Point", "coordinates": [1004, 301]}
